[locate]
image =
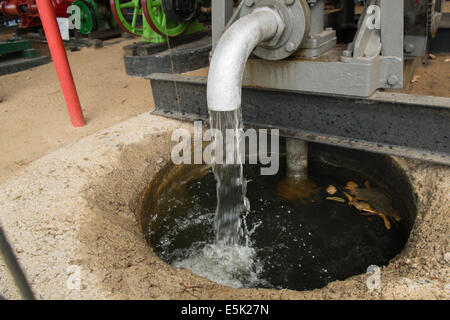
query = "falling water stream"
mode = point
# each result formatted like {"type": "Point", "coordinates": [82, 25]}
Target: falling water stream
{"type": "Point", "coordinates": [232, 202]}
{"type": "Point", "coordinates": [230, 259]}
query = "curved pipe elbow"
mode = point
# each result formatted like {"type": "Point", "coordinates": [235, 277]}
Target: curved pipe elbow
{"type": "Point", "coordinates": [230, 56]}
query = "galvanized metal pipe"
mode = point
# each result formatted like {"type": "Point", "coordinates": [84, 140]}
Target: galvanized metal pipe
{"type": "Point", "coordinates": [232, 51]}
{"type": "Point", "coordinates": [297, 160]}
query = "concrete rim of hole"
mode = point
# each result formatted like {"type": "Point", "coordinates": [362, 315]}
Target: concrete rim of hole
{"type": "Point", "coordinates": [71, 218]}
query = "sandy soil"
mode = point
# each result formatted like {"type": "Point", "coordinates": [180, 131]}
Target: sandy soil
{"type": "Point", "coordinates": [432, 78]}
{"type": "Point", "coordinates": [33, 115]}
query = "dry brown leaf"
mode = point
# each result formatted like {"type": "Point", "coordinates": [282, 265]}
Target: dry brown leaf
{"type": "Point", "coordinates": [447, 60]}
{"type": "Point", "coordinates": [351, 186]}
{"type": "Point", "coordinates": [331, 189]}
{"type": "Point", "coordinates": [368, 185]}
{"type": "Point", "coordinates": [431, 56]}
{"type": "Point", "coordinates": [415, 79]}
{"type": "Point", "coordinates": [394, 214]}
{"type": "Point", "coordinates": [349, 197]}
{"type": "Point", "coordinates": [363, 206]}
{"type": "Point", "coordinates": [387, 223]}
{"type": "Point", "coordinates": [338, 199]}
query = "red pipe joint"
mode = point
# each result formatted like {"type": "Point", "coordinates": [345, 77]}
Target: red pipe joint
{"type": "Point", "coordinates": [28, 12]}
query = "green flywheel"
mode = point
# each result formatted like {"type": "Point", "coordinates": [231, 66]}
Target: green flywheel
{"type": "Point", "coordinates": [87, 17]}
{"type": "Point", "coordinates": [158, 21]}
{"type": "Point", "coordinates": [121, 9]}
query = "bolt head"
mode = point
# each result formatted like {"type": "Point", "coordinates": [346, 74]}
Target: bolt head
{"type": "Point", "coordinates": [290, 46]}
{"type": "Point", "coordinates": [249, 3]}
{"type": "Point", "coordinates": [347, 53]}
{"type": "Point", "coordinates": [409, 47]}
{"type": "Point", "coordinates": [393, 79]}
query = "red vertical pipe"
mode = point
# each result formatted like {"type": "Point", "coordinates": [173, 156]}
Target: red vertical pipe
{"type": "Point", "coordinates": [51, 29]}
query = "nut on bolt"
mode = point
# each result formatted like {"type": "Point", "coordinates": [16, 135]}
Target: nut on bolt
{"type": "Point", "coordinates": [249, 3]}
{"type": "Point", "coordinates": [393, 80]}
{"type": "Point", "coordinates": [290, 46]}
{"type": "Point", "coordinates": [409, 47]}
{"type": "Point", "coordinates": [347, 53]}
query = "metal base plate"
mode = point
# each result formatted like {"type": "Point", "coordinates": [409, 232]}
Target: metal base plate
{"type": "Point", "coordinates": [16, 64]}
{"type": "Point", "coordinates": [149, 58]}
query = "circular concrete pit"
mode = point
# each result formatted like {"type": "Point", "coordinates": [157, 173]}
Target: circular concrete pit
{"type": "Point", "coordinates": [75, 220]}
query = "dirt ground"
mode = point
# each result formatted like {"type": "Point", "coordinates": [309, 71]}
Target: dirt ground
{"type": "Point", "coordinates": [33, 114]}
{"type": "Point", "coordinates": [432, 78]}
{"type": "Point", "coordinates": [52, 214]}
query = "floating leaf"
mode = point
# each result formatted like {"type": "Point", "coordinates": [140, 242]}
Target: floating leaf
{"type": "Point", "coordinates": [387, 223]}
{"type": "Point", "coordinates": [338, 199]}
{"type": "Point", "coordinates": [331, 189]}
{"type": "Point", "coordinates": [394, 214]}
{"type": "Point", "coordinates": [349, 197]}
{"type": "Point", "coordinates": [351, 187]}
{"type": "Point", "coordinates": [363, 206]}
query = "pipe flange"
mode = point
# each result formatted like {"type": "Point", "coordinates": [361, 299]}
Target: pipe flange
{"type": "Point", "coordinates": [296, 17]}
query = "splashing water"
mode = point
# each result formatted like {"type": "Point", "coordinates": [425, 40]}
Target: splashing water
{"type": "Point", "coordinates": [235, 266]}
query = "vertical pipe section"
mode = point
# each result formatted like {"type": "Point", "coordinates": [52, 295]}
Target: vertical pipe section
{"type": "Point", "coordinates": [51, 29]}
{"type": "Point", "coordinates": [317, 18]}
{"type": "Point", "coordinates": [297, 160]}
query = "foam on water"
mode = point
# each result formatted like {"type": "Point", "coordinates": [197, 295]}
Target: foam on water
{"type": "Point", "coordinates": [232, 265]}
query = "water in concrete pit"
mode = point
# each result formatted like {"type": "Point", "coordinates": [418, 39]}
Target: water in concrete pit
{"type": "Point", "coordinates": [290, 238]}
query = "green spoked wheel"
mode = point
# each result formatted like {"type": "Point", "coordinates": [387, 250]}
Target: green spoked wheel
{"type": "Point", "coordinates": [121, 10]}
{"type": "Point", "coordinates": [87, 17]}
{"type": "Point", "coordinates": [154, 14]}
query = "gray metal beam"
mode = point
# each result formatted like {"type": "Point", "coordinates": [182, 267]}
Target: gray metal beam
{"type": "Point", "coordinates": [389, 123]}
{"type": "Point", "coordinates": [221, 12]}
